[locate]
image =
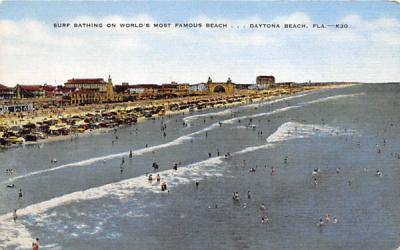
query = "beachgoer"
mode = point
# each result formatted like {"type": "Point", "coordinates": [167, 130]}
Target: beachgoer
{"type": "Point", "coordinates": [328, 217]}
{"type": "Point", "coordinates": [158, 178]}
{"type": "Point", "coordinates": [321, 222]}
{"type": "Point", "coordinates": [150, 178]}
{"type": "Point", "coordinates": [163, 186]}
{"type": "Point", "coordinates": [35, 244]}
{"type": "Point", "coordinates": [20, 193]}
{"type": "Point", "coordinates": [15, 216]}
{"type": "Point", "coordinates": [130, 153]}
{"type": "Point", "coordinates": [209, 155]}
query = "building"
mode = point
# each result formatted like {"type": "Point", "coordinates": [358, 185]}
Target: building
{"type": "Point", "coordinates": [199, 87]}
{"type": "Point", "coordinates": [137, 88]}
{"type": "Point", "coordinates": [91, 90]}
{"type": "Point", "coordinates": [265, 82]}
{"type": "Point", "coordinates": [90, 83]}
{"type": "Point", "coordinates": [6, 92]}
{"type": "Point", "coordinates": [85, 96]}
{"type": "Point", "coordinates": [29, 91]}
{"type": "Point", "coordinates": [174, 88]}
{"type": "Point", "coordinates": [221, 87]}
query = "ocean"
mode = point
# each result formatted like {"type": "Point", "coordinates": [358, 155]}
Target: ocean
{"type": "Point", "coordinates": [96, 197]}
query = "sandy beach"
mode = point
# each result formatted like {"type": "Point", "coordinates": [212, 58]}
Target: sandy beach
{"type": "Point", "coordinates": [40, 116]}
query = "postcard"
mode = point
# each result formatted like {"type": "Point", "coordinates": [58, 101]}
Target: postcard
{"type": "Point", "coordinates": [199, 125]}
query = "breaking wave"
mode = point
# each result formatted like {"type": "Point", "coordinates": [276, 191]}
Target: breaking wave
{"type": "Point", "coordinates": [16, 234]}
{"type": "Point", "coordinates": [188, 137]}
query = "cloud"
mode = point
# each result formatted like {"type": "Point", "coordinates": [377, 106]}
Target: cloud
{"type": "Point", "coordinates": [33, 51]}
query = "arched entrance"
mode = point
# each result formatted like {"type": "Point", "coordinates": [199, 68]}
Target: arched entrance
{"type": "Point", "coordinates": [219, 89]}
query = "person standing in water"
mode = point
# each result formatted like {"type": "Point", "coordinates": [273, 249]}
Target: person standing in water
{"type": "Point", "coordinates": [15, 216]}
{"type": "Point", "coordinates": [35, 244]}
{"type": "Point", "coordinates": [20, 193]}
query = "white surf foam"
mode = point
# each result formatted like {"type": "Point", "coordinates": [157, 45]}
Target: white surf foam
{"type": "Point", "coordinates": [17, 234]}
{"type": "Point", "coordinates": [332, 98]}
{"type": "Point", "coordinates": [235, 119]}
{"type": "Point", "coordinates": [191, 118]}
{"type": "Point", "coordinates": [182, 139]}
{"type": "Point", "coordinates": [294, 130]}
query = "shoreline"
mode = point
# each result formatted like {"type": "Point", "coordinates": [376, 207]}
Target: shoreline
{"type": "Point", "coordinates": [243, 100]}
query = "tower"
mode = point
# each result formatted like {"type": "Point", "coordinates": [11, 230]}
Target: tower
{"type": "Point", "coordinates": [110, 89]}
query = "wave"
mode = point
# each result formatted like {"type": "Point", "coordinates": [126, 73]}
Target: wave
{"type": "Point", "coordinates": [294, 130]}
{"type": "Point", "coordinates": [15, 234]}
{"type": "Point", "coordinates": [332, 98]}
{"type": "Point", "coordinates": [233, 120]}
{"type": "Point", "coordinates": [191, 118]}
{"type": "Point", "coordinates": [184, 138]}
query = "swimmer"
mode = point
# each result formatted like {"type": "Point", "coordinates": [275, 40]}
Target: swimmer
{"type": "Point", "coordinates": [335, 220]}
{"type": "Point", "coordinates": [337, 170]}
{"type": "Point", "coordinates": [11, 186]}
{"type": "Point", "coordinates": [20, 193]}
{"type": "Point", "coordinates": [262, 207]}
{"type": "Point", "coordinates": [321, 222]}
{"type": "Point", "coordinates": [158, 178]}
{"type": "Point", "coordinates": [378, 173]}
{"type": "Point", "coordinates": [315, 171]}
{"type": "Point", "coordinates": [197, 184]}
{"type": "Point", "coordinates": [150, 178]}
{"type": "Point", "coordinates": [130, 153]}
{"type": "Point", "coordinates": [328, 217]}
{"type": "Point", "coordinates": [248, 194]}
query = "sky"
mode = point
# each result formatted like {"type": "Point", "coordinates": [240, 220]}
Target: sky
{"type": "Point", "coordinates": [32, 51]}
